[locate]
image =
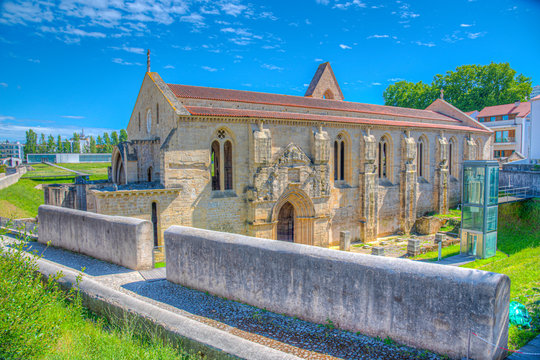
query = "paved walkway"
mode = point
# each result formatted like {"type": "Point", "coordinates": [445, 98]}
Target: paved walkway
{"type": "Point", "coordinates": [456, 260]}
{"type": "Point", "coordinates": [533, 347]}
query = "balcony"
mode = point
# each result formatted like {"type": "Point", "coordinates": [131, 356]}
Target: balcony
{"type": "Point", "coordinates": [509, 139]}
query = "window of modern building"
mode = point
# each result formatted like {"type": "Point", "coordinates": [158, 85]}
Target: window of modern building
{"type": "Point", "coordinates": [505, 117]}
{"type": "Point", "coordinates": [492, 118]}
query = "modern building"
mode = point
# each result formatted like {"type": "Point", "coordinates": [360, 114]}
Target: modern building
{"type": "Point", "coordinates": [511, 124]}
{"type": "Point", "coordinates": [535, 129]}
{"type": "Point", "coordinates": [535, 91]}
{"type": "Point", "coordinates": [11, 150]}
{"type": "Point", "coordinates": [291, 168]}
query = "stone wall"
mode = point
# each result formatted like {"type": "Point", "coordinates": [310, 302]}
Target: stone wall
{"type": "Point", "coordinates": [420, 304]}
{"type": "Point", "coordinates": [9, 180]}
{"type": "Point", "coordinates": [519, 177]}
{"type": "Point", "coordinates": [120, 240]}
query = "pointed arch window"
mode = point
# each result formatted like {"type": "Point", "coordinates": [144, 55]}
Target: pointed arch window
{"type": "Point", "coordinates": [383, 159]}
{"type": "Point", "coordinates": [139, 121]}
{"type": "Point", "coordinates": [149, 120]}
{"type": "Point", "coordinates": [339, 158]}
{"type": "Point", "coordinates": [157, 114]}
{"type": "Point", "coordinates": [422, 158]}
{"type": "Point", "coordinates": [221, 162]}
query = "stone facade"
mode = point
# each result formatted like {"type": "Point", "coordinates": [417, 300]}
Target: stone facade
{"type": "Point", "coordinates": [234, 161]}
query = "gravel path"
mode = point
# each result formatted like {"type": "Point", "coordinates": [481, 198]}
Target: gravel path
{"type": "Point", "coordinates": [301, 338]}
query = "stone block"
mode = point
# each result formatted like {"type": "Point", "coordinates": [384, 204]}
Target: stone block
{"type": "Point", "coordinates": [377, 250]}
{"type": "Point", "coordinates": [415, 303]}
{"type": "Point", "coordinates": [345, 240]}
{"type": "Point", "coordinates": [428, 225]}
{"type": "Point", "coordinates": [413, 247]}
{"type": "Point", "coordinates": [439, 238]}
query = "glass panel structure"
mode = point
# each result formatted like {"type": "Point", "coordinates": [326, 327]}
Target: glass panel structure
{"type": "Point", "coordinates": [480, 199]}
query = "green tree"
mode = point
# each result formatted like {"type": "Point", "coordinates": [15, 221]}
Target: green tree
{"type": "Point", "coordinates": [31, 142]}
{"type": "Point", "coordinates": [107, 148]}
{"type": "Point", "coordinates": [42, 144]}
{"type": "Point", "coordinates": [59, 146]}
{"type": "Point", "coordinates": [76, 144]}
{"type": "Point", "coordinates": [468, 87]}
{"type": "Point", "coordinates": [93, 148]}
{"type": "Point", "coordinates": [66, 146]}
{"type": "Point", "coordinates": [123, 135]}
{"type": "Point", "coordinates": [51, 147]}
{"type": "Point", "coordinates": [114, 138]}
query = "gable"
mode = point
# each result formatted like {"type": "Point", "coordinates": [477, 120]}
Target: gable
{"type": "Point", "coordinates": [324, 84]}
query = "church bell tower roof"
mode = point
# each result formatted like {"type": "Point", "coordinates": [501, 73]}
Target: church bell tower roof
{"type": "Point", "coordinates": [324, 84]}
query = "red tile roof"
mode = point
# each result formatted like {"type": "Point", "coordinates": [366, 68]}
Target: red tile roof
{"type": "Point", "coordinates": [470, 112]}
{"type": "Point", "coordinates": [522, 110]}
{"type": "Point", "coordinates": [208, 111]}
{"type": "Point", "coordinates": [199, 92]}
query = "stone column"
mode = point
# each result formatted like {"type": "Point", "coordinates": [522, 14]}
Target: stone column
{"type": "Point", "coordinates": [470, 148]}
{"type": "Point", "coordinates": [368, 187]}
{"type": "Point", "coordinates": [408, 183]}
{"type": "Point", "coordinates": [345, 240]}
{"type": "Point", "coordinates": [440, 187]}
{"type": "Point", "coordinates": [320, 146]}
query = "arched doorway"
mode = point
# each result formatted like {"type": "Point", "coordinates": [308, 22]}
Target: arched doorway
{"type": "Point", "coordinates": [285, 226]}
{"type": "Point", "coordinates": [293, 217]}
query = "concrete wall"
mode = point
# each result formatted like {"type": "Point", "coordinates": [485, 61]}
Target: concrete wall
{"type": "Point", "coordinates": [12, 179]}
{"type": "Point", "coordinates": [121, 240]}
{"type": "Point", "coordinates": [520, 176]}
{"type": "Point", "coordinates": [420, 304]}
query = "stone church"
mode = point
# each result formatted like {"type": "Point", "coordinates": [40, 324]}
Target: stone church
{"type": "Point", "coordinates": [291, 168]}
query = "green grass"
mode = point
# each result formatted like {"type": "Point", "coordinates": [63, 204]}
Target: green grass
{"type": "Point", "coordinates": [452, 213]}
{"type": "Point", "coordinates": [40, 321]}
{"type": "Point", "coordinates": [21, 200]}
{"type": "Point", "coordinates": [434, 255]}
{"type": "Point", "coordinates": [160, 264]}
{"type": "Point", "coordinates": [519, 237]}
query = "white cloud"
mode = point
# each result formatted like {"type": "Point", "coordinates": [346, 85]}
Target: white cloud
{"type": "Point", "coordinates": [346, 5]}
{"type": "Point", "coordinates": [73, 117]}
{"type": "Point", "coordinates": [271, 67]}
{"type": "Point", "coordinates": [377, 36]}
{"type": "Point", "coordinates": [3, 84]}
{"type": "Point", "coordinates": [475, 35]}
{"type": "Point", "coordinates": [168, 67]}
{"type": "Point", "coordinates": [343, 46]}
{"type": "Point", "coordinates": [208, 68]}
{"type": "Point", "coordinates": [318, 60]}
{"type": "Point", "coordinates": [419, 43]}
{"type": "Point", "coordinates": [237, 31]}
{"type": "Point", "coordinates": [194, 18]}
{"type": "Point", "coordinates": [123, 62]}
{"type": "Point", "coordinates": [4, 117]}
{"type": "Point", "coordinates": [232, 8]}
{"type": "Point", "coordinates": [35, 61]}
{"type": "Point", "coordinates": [134, 50]}
{"type": "Point", "coordinates": [395, 79]}
{"type": "Point", "coordinates": [465, 25]}
{"type": "Point", "coordinates": [376, 83]}
{"type": "Point", "coordinates": [322, 2]}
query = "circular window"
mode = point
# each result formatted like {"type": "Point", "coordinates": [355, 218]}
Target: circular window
{"type": "Point", "coordinates": [149, 120]}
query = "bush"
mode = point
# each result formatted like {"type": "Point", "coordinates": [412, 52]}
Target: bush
{"type": "Point", "coordinates": [29, 320]}
{"type": "Point", "coordinates": [2, 169]}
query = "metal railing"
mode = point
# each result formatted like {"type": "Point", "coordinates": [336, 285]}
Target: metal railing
{"type": "Point", "coordinates": [509, 139]}
{"type": "Point", "coordinates": [511, 193]}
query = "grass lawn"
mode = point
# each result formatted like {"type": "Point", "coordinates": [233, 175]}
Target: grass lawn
{"type": "Point", "coordinates": [434, 255]}
{"type": "Point", "coordinates": [21, 200]}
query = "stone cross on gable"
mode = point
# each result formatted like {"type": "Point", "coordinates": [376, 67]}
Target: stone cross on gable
{"type": "Point", "coordinates": [148, 61]}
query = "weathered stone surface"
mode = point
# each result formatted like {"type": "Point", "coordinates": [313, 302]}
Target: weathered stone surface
{"type": "Point", "coordinates": [420, 304]}
{"type": "Point", "coordinates": [413, 247]}
{"type": "Point", "coordinates": [345, 240]}
{"type": "Point", "coordinates": [439, 238]}
{"type": "Point", "coordinates": [120, 240]}
{"type": "Point", "coordinates": [377, 250]}
{"type": "Point", "coordinates": [428, 225]}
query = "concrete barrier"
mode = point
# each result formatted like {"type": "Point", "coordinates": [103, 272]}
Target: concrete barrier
{"type": "Point", "coordinates": [120, 240]}
{"type": "Point", "coordinates": [425, 305]}
{"type": "Point", "coordinates": [9, 180]}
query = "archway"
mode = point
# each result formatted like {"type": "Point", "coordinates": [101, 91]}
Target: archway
{"type": "Point", "coordinates": [293, 217]}
{"type": "Point", "coordinates": [285, 225]}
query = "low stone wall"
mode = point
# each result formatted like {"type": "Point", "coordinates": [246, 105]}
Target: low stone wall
{"type": "Point", "coordinates": [520, 177]}
{"type": "Point", "coordinates": [12, 179]}
{"type": "Point", "coordinates": [416, 303]}
{"type": "Point", "coordinates": [120, 240]}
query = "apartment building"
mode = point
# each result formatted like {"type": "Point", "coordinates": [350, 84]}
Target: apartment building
{"type": "Point", "coordinates": [11, 150]}
{"type": "Point", "coordinates": [512, 125]}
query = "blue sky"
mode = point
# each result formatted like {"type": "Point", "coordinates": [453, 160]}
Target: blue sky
{"type": "Point", "coordinates": [71, 64]}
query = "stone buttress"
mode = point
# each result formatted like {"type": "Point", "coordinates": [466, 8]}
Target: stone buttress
{"type": "Point", "coordinates": [408, 183]}
{"type": "Point", "coordinates": [368, 187]}
{"type": "Point", "coordinates": [440, 187]}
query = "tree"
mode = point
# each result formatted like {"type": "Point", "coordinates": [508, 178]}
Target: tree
{"type": "Point", "coordinates": [42, 144]}
{"type": "Point", "coordinates": [66, 146]}
{"type": "Point", "coordinates": [468, 87]}
{"type": "Point", "coordinates": [93, 148]}
{"type": "Point", "coordinates": [31, 142]}
{"type": "Point", "coordinates": [59, 146]}
{"type": "Point", "coordinates": [123, 135]}
{"type": "Point", "coordinates": [114, 138]}
{"type": "Point", "coordinates": [107, 143]}
{"type": "Point", "coordinates": [76, 144]}
{"type": "Point", "coordinates": [50, 144]}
